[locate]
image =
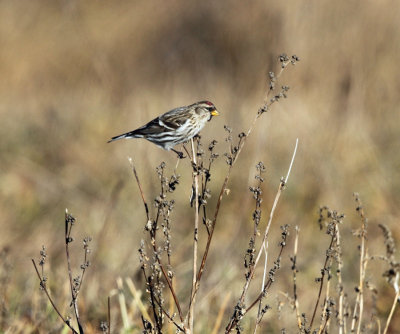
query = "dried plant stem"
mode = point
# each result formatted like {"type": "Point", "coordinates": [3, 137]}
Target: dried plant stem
{"type": "Point", "coordinates": [169, 283]}
{"type": "Point", "coordinates": [150, 286]}
{"type": "Point", "coordinates": [122, 304]}
{"type": "Point", "coordinates": [341, 318]}
{"type": "Point", "coordinates": [266, 286]}
{"type": "Point", "coordinates": [354, 317]}
{"type": "Point", "coordinates": [211, 233]}
{"type": "Point", "coordinates": [146, 208]}
{"type": "Point", "coordinates": [363, 264]}
{"type": "Point", "coordinates": [43, 286]}
{"type": "Point", "coordinates": [294, 268]}
{"type": "Point", "coordinates": [137, 300]}
{"type": "Point", "coordinates": [325, 316]}
{"type": "Point", "coordinates": [195, 238]}
{"type": "Point", "coordinates": [362, 273]}
{"type": "Point", "coordinates": [250, 276]}
{"type": "Point", "coordinates": [74, 295]}
{"type": "Point", "coordinates": [220, 315]}
{"type": "Point", "coordinates": [395, 301]}
{"type": "Point", "coordinates": [234, 320]}
{"type": "Point", "coordinates": [109, 315]}
{"type": "Point", "coordinates": [378, 323]}
{"type": "Point", "coordinates": [282, 184]}
{"type": "Point", "coordinates": [267, 104]}
{"type": "Point", "coordinates": [323, 272]}
{"type": "Point", "coordinates": [259, 314]}
{"type": "Point", "coordinates": [171, 328]}
{"type": "Point", "coordinates": [169, 316]}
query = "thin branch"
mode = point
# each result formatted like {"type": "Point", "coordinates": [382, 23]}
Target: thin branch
{"type": "Point", "coordinates": [294, 269]}
{"type": "Point", "coordinates": [168, 316]}
{"type": "Point", "coordinates": [68, 239]}
{"type": "Point", "coordinates": [153, 306]}
{"type": "Point", "coordinates": [43, 286]}
{"type": "Point", "coordinates": [323, 272]}
{"type": "Point", "coordinates": [195, 237]}
{"type": "Point", "coordinates": [292, 161]}
{"type": "Point", "coordinates": [341, 318]}
{"type": "Point", "coordinates": [137, 300]}
{"type": "Point", "coordinates": [169, 283]}
{"type": "Point", "coordinates": [282, 185]}
{"type": "Point", "coordinates": [171, 288]}
{"type": "Point", "coordinates": [234, 320]}
{"type": "Point", "coordinates": [354, 317]}
{"type": "Point", "coordinates": [221, 311]}
{"type": "Point", "coordinates": [362, 259]}
{"type": "Point", "coordinates": [269, 282]}
{"type": "Point", "coordinates": [395, 301]}
{"type": "Point", "coordinates": [85, 264]}
{"type": "Point", "coordinates": [363, 263]}
{"type": "Point", "coordinates": [146, 208]}
{"type": "Point", "coordinates": [109, 315]}
{"type": "Point", "coordinates": [266, 106]}
{"type": "Point", "coordinates": [325, 315]}
{"type": "Point", "coordinates": [259, 315]}
{"type": "Point", "coordinates": [122, 304]}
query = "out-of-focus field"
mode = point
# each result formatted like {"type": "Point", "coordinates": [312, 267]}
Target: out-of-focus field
{"type": "Point", "coordinates": [73, 74]}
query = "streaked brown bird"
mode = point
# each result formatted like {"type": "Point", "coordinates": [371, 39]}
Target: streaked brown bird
{"type": "Point", "coordinates": [175, 126]}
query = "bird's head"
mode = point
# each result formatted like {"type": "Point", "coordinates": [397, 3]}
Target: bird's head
{"type": "Point", "coordinates": [206, 107]}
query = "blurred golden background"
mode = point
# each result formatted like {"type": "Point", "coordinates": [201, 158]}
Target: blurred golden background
{"type": "Point", "coordinates": [75, 73]}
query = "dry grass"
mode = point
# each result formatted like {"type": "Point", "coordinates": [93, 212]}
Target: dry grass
{"type": "Point", "coordinates": [74, 74]}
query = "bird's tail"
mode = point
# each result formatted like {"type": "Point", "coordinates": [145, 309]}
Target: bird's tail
{"type": "Point", "coordinates": [132, 134]}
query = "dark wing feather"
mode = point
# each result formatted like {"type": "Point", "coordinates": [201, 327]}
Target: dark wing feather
{"type": "Point", "coordinates": [174, 119]}
{"type": "Point", "coordinates": [170, 121]}
{"type": "Point", "coordinates": [153, 127]}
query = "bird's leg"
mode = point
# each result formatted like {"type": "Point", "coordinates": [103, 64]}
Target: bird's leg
{"type": "Point", "coordinates": [187, 152]}
{"type": "Point", "coordinates": [180, 154]}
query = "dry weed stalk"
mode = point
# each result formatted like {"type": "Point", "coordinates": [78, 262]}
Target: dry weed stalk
{"type": "Point", "coordinates": [393, 273]}
{"type": "Point", "coordinates": [341, 312]}
{"type": "Point", "coordinates": [195, 236]}
{"type": "Point", "coordinates": [74, 282]}
{"type": "Point", "coordinates": [337, 306]}
{"type": "Point", "coordinates": [332, 226]}
{"type": "Point", "coordinates": [295, 270]}
{"type": "Point", "coordinates": [152, 266]}
{"type": "Point", "coordinates": [252, 261]}
{"type": "Point", "coordinates": [361, 233]}
{"type": "Point", "coordinates": [156, 256]}
{"type": "Point", "coordinates": [156, 267]}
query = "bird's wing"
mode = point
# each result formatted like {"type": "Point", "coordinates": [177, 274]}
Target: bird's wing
{"type": "Point", "coordinates": [170, 121]}
{"type": "Point", "coordinates": [174, 119]}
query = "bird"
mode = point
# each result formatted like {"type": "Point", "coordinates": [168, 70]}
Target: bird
{"type": "Point", "coordinates": [175, 126]}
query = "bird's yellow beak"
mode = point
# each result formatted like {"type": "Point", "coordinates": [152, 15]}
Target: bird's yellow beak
{"type": "Point", "coordinates": [214, 113]}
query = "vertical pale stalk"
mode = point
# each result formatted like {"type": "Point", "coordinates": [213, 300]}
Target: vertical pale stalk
{"type": "Point", "coordinates": [362, 277]}
{"type": "Point", "coordinates": [258, 320]}
{"type": "Point", "coordinates": [395, 301]}
{"type": "Point", "coordinates": [195, 237]}
{"type": "Point", "coordinates": [363, 265]}
{"type": "Point", "coordinates": [296, 301]}
{"type": "Point", "coordinates": [341, 318]}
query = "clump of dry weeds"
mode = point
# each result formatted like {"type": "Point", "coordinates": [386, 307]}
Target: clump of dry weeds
{"type": "Point", "coordinates": [169, 309]}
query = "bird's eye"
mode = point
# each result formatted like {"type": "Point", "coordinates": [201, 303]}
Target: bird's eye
{"type": "Point", "coordinates": [210, 109]}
